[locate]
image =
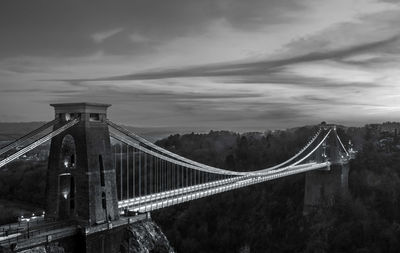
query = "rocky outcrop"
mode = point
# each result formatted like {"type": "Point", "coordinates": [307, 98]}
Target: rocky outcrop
{"type": "Point", "coordinates": [5, 250]}
{"type": "Point", "coordinates": [145, 237]}
{"type": "Point", "coordinates": [52, 248]}
{"type": "Point", "coordinates": [40, 249]}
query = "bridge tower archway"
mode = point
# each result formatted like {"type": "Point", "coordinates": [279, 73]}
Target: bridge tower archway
{"type": "Point", "coordinates": [66, 181]}
{"type": "Point", "coordinates": [81, 182]}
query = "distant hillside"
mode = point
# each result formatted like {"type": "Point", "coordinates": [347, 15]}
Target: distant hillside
{"type": "Point", "coordinates": [13, 130]}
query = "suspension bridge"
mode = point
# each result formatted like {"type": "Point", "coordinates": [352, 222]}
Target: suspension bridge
{"type": "Point", "coordinates": [102, 176]}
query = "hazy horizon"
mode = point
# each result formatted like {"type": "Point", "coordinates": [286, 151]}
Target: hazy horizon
{"type": "Point", "coordinates": [205, 129]}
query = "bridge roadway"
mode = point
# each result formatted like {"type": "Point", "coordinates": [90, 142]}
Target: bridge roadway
{"type": "Point", "coordinates": [26, 235]}
{"type": "Point", "coordinates": [166, 194]}
{"type": "Point", "coordinates": [160, 200]}
{"type": "Point", "coordinates": [38, 229]}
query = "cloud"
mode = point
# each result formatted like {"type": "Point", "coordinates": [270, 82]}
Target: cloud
{"type": "Point", "coordinates": [370, 27]}
{"type": "Point", "coordinates": [70, 28]}
{"type": "Point", "coordinates": [138, 38]}
{"type": "Point", "coordinates": [251, 68]}
{"type": "Point", "coordinates": [99, 37]}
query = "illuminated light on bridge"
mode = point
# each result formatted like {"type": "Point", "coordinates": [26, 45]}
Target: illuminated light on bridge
{"type": "Point", "coordinates": [98, 172]}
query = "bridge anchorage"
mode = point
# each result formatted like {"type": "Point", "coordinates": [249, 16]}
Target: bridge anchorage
{"type": "Point", "coordinates": [102, 177]}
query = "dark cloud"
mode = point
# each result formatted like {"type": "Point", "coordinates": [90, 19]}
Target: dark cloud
{"type": "Point", "coordinates": [249, 111]}
{"type": "Point", "coordinates": [142, 92]}
{"type": "Point", "coordinates": [287, 78]}
{"type": "Point", "coordinates": [331, 101]}
{"type": "Point", "coordinates": [194, 109]}
{"type": "Point", "coordinates": [195, 96]}
{"type": "Point", "coordinates": [21, 90]}
{"type": "Point", "coordinates": [41, 91]}
{"type": "Point", "coordinates": [64, 28]}
{"type": "Point", "coordinates": [255, 14]}
{"type": "Point", "coordinates": [391, 1]}
{"type": "Point", "coordinates": [250, 68]}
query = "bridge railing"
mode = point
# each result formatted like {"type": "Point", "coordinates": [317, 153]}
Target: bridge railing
{"type": "Point", "coordinates": [23, 234]}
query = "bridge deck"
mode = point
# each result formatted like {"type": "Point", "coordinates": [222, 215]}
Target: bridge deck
{"type": "Point", "coordinates": [192, 193]}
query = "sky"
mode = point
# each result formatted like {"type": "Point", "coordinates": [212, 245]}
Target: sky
{"type": "Point", "coordinates": [213, 64]}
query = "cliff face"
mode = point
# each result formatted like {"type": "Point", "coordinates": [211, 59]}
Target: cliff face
{"type": "Point", "coordinates": [53, 248]}
{"type": "Point", "coordinates": [145, 236]}
{"type": "Point", "coordinates": [141, 237]}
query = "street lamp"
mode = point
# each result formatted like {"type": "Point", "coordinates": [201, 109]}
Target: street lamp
{"type": "Point", "coordinates": [28, 219]}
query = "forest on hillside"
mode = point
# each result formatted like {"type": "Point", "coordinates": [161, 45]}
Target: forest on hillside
{"type": "Point", "coordinates": [267, 217]}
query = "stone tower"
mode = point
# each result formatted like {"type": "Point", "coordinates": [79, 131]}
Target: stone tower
{"type": "Point", "coordinates": [81, 182]}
